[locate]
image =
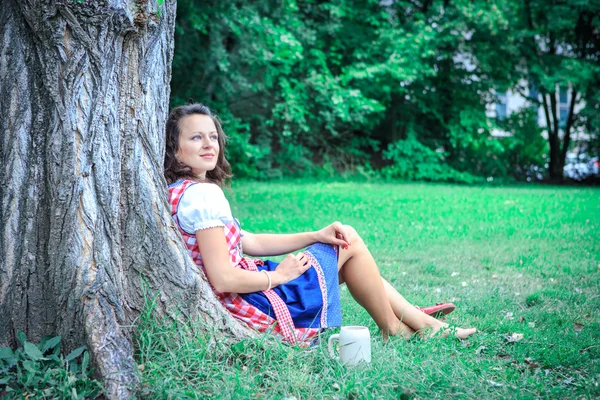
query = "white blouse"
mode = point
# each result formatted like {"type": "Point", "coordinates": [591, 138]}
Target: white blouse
{"type": "Point", "coordinates": [203, 206]}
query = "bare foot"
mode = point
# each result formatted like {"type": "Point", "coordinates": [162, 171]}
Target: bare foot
{"type": "Point", "coordinates": [406, 331]}
{"type": "Point", "coordinates": [463, 333]}
{"type": "Point", "coordinates": [445, 331]}
{"type": "Point", "coordinates": [399, 329]}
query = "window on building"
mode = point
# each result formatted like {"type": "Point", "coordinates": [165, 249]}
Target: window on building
{"type": "Point", "coordinates": [563, 114]}
{"type": "Point", "coordinates": [563, 106]}
{"type": "Point", "coordinates": [562, 95]}
{"type": "Point", "coordinates": [501, 110]}
{"type": "Point", "coordinates": [533, 92]}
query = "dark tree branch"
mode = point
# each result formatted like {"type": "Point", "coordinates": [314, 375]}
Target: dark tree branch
{"type": "Point", "coordinates": [570, 120]}
{"type": "Point", "coordinates": [549, 125]}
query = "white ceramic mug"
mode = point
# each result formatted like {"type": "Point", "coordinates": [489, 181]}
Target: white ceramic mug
{"type": "Point", "coordinates": [355, 345]}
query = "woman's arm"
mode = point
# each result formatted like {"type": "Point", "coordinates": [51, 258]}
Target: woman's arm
{"type": "Point", "coordinates": [271, 244]}
{"type": "Point", "coordinates": [225, 278]}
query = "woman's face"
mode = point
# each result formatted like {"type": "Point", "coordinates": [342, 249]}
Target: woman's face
{"type": "Point", "coordinates": [198, 144]}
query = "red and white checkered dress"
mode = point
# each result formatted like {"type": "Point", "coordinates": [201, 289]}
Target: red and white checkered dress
{"type": "Point", "coordinates": [283, 326]}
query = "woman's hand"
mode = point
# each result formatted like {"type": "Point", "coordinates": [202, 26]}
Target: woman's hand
{"type": "Point", "coordinates": [290, 268]}
{"type": "Point", "coordinates": [334, 234]}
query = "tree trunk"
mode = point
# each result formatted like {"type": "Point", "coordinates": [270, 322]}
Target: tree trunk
{"type": "Point", "coordinates": [84, 217]}
{"type": "Point", "coordinates": [558, 147]}
{"type": "Point", "coordinates": [567, 137]}
{"type": "Point", "coordinates": [554, 169]}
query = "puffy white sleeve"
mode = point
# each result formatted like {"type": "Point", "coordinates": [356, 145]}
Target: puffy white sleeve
{"type": "Point", "coordinates": [203, 206]}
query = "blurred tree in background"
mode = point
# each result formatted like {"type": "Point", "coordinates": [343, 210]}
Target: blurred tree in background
{"type": "Point", "coordinates": [555, 48]}
{"type": "Point", "coordinates": [405, 89]}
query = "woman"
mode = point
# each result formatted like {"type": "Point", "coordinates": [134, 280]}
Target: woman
{"type": "Point", "coordinates": [296, 298]}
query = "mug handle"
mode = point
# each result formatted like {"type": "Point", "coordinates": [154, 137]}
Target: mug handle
{"type": "Point", "coordinates": [333, 338]}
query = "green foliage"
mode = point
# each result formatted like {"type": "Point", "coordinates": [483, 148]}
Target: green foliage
{"type": "Point", "coordinates": [548, 45]}
{"type": "Point", "coordinates": [526, 149]}
{"type": "Point", "coordinates": [519, 153]}
{"type": "Point", "coordinates": [271, 68]}
{"type": "Point", "coordinates": [40, 371]}
{"type": "Point", "coordinates": [249, 158]}
{"type": "Point", "coordinates": [414, 161]}
{"type": "Point", "coordinates": [590, 118]}
{"type": "Point", "coordinates": [301, 83]}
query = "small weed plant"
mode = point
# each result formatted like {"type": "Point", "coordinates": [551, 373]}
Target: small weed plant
{"type": "Point", "coordinates": [40, 371]}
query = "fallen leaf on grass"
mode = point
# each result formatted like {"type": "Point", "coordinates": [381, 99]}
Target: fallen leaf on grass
{"type": "Point", "coordinates": [464, 284]}
{"type": "Point", "coordinates": [531, 324]}
{"type": "Point", "coordinates": [495, 384]}
{"type": "Point", "coordinates": [455, 274]}
{"type": "Point", "coordinates": [336, 387]}
{"type": "Point", "coordinates": [577, 327]}
{"type": "Point", "coordinates": [515, 337]}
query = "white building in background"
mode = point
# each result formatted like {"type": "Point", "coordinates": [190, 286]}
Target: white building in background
{"type": "Point", "coordinates": [579, 165]}
{"type": "Point", "coordinates": [512, 101]}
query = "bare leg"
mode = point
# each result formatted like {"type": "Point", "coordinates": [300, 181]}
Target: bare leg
{"type": "Point", "coordinates": [400, 305]}
{"type": "Point", "coordinates": [396, 302]}
{"type": "Point", "coordinates": [359, 270]}
{"type": "Point", "coordinates": [360, 273]}
{"type": "Point", "coordinates": [409, 313]}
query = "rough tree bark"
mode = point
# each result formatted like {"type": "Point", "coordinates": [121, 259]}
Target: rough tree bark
{"type": "Point", "coordinates": [84, 218]}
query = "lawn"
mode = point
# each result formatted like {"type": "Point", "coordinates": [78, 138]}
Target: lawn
{"type": "Point", "coordinates": [519, 260]}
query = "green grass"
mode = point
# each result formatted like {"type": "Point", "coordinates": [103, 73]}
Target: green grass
{"type": "Point", "coordinates": [514, 259]}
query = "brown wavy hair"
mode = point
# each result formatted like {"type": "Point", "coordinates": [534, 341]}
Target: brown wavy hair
{"type": "Point", "coordinates": [174, 169]}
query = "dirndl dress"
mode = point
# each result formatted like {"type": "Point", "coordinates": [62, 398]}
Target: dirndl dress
{"type": "Point", "coordinates": [295, 312]}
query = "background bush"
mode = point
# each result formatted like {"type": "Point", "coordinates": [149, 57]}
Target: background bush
{"type": "Point", "coordinates": [304, 83]}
